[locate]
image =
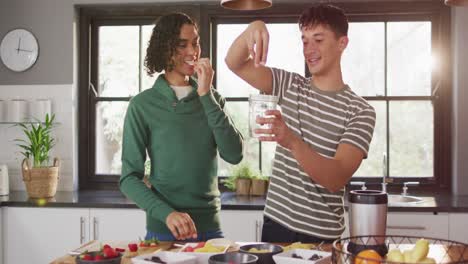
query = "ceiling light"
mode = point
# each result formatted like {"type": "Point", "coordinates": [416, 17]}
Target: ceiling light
{"type": "Point", "coordinates": [456, 2]}
{"type": "Point", "coordinates": [246, 4]}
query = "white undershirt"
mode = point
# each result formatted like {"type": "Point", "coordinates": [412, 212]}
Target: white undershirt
{"type": "Point", "coordinates": [181, 91]}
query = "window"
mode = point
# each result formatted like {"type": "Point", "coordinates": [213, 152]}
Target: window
{"type": "Point", "coordinates": [114, 73]}
{"type": "Point", "coordinates": [390, 64]}
{"type": "Point", "coordinates": [236, 91]}
{"type": "Point", "coordinates": [389, 61]}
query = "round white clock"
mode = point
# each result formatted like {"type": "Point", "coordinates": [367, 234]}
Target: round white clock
{"type": "Point", "coordinates": [19, 50]}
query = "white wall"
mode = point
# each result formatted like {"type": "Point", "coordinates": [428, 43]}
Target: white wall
{"type": "Point", "coordinates": [64, 106]}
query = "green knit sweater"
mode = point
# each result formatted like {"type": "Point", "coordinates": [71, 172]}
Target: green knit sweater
{"type": "Point", "coordinates": [182, 139]}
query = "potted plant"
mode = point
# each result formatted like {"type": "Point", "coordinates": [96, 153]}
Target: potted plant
{"type": "Point", "coordinates": [241, 179]}
{"type": "Point", "coordinates": [40, 178]}
{"type": "Point", "coordinates": [259, 185]}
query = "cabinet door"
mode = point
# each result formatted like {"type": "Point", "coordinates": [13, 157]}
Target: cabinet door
{"type": "Point", "coordinates": [458, 229]}
{"type": "Point", "coordinates": [242, 226]}
{"type": "Point", "coordinates": [418, 224]}
{"type": "Point", "coordinates": [117, 224]}
{"type": "Point", "coordinates": [1, 237]}
{"type": "Point", "coordinates": [40, 235]}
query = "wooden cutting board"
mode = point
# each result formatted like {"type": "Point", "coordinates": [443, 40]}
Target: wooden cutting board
{"type": "Point", "coordinates": [95, 246]}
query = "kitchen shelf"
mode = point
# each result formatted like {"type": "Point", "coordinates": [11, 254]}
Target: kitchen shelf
{"type": "Point", "coordinates": [17, 123]}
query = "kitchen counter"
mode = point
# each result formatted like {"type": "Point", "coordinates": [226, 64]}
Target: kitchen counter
{"type": "Point", "coordinates": [163, 246]}
{"type": "Point", "coordinates": [229, 201]}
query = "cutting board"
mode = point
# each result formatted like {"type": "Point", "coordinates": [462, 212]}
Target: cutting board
{"type": "Point", "coordinates": [95, 246]}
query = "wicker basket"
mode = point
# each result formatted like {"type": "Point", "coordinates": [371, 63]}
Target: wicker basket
{"type": "Point", "coordinates": [441, 250]}
{"type": "Point", "coordinates": [41, 182]}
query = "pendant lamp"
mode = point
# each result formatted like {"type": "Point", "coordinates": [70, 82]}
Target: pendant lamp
{"type": "Point", "coordinates": [456, 2]}
{"type": "Point", "coordinates": [246, 4]}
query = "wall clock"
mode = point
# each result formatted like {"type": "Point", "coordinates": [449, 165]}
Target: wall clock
{"type": "Point", "coordinates": [19, 50]}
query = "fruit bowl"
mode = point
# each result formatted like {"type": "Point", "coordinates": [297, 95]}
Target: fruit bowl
{"type": "Point", "coordinates": [202, 251]}
{"type": "Point", "coordinates": [441, 251]}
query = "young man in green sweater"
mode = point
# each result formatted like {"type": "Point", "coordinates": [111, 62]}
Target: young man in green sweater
{"type": "Point", "coordinates": [181, 124]}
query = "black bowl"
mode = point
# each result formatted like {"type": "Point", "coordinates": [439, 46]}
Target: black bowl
{"type": "Point", "coordinates": [263, 258]}
{"type": "Point", "coordinates": [104, 261]}
{"type": "Point", "coordinates": [233, 257]}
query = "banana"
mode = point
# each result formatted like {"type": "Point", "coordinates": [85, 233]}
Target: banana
{"type": "Point", "coordinates": [395, 255]}
{"type": "Point", "coordinates": [420, 250]}
{"type": "Point", "coordinates": [428, 261]}
{"type": "Point", "coordinates": [416, 255]}
{"type": "Point", "coordinates": [408, 256]}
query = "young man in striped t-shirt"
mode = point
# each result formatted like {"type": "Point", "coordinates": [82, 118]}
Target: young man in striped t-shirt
{"type": "Point", "coordinates": [323, 132]}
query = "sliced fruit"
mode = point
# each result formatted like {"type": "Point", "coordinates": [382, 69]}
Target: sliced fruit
{"type": "Point", "coordinates": [368, 256]}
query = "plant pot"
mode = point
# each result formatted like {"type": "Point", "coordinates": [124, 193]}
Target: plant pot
{"type": "Point", "coordinates": [41, 182]}
{"type": "Point", "coordinates": [258, 187]}
{"type": "Point", "coordinates": [243, 186]}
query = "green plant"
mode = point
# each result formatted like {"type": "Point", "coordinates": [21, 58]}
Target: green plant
{"type": "Point", "coordinates": [262, 177]}
{"type": "Point", "coordinates": [39, 141]}
{"type": "Point", "coordinates": [241, 171]}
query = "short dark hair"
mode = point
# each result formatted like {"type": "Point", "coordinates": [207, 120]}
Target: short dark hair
{"type": "Point", "coordinates": [164, 40]}
{"type": "Point", "coordinates": [325, 14]}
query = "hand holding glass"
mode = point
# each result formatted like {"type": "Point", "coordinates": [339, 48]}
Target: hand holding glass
{"type": "Point", "coordinates": [258, 104]}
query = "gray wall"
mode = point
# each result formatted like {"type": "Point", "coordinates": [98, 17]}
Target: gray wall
{"type": "Point", "coordinates": [52, 21]}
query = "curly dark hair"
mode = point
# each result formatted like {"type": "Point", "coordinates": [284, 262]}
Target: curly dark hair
{"type": "Point", "coordinates": [164, 40]}
{"type": "Point", "coordinates": [325, 14]}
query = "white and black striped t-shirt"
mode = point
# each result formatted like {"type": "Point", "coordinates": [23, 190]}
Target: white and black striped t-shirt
{"type": "Point", "coordinates": [323, 120]}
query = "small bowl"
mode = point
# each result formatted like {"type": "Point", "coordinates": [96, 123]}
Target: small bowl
{"type": "Point", "coordinates": [302, 256]}
{"type": "Point", "coordinates": [166, 256]}
{"type": "Point", "coordinates": [104, 261]}
{"type": "Point", "coordinates": [233, 258]}
{"type": "Point", "coordinates": [263, 258]}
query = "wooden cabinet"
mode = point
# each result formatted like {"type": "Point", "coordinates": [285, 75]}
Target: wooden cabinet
{"type": "Point", "coordinates": [458, 228]}
{"type": "Point", "coordinates": [117, 224]}
{"type": "Point", "coordinates": [418, 224]}
{"type": "Point", "coordinates": [39, 235]}
{"type": "Point", "coordinates": [242, 225]}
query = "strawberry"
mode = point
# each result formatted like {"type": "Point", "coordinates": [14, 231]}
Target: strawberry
{"type": "Point", "coordinates": [106, 246]}
{"type": "Point", "coordinates": [133, 247]}
{"type": "Point", "coordinates": [200, 245]}
{"type": "Point", "coordinates": [110, 253]}
{"type": "Point", "coordinates": [189, 249]}
{"type": "Point", "coordinates": [99, 257]}
{"type": "Point", "coordinates": [86, 257]}
{"type": "Point", "coordinates": [143, 244]}
{"type": "Point", "coordinates": [119, 249]}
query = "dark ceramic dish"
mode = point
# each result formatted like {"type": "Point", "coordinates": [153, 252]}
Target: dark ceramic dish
{"type": "Point", "coordinates": [104, 261]}
{"type": "Point", "coordinates": [263, 258]}
{"type": "Point", "coordinates": [233, 258]}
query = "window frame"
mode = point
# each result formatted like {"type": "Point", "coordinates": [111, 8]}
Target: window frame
{"type": "Point", "coordinates": [91, 18]}
{"type": "Point", "coordinates": [207, 15]}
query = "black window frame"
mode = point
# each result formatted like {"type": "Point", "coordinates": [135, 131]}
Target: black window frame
{"type": "Point", "coordinates": [209, 14]}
